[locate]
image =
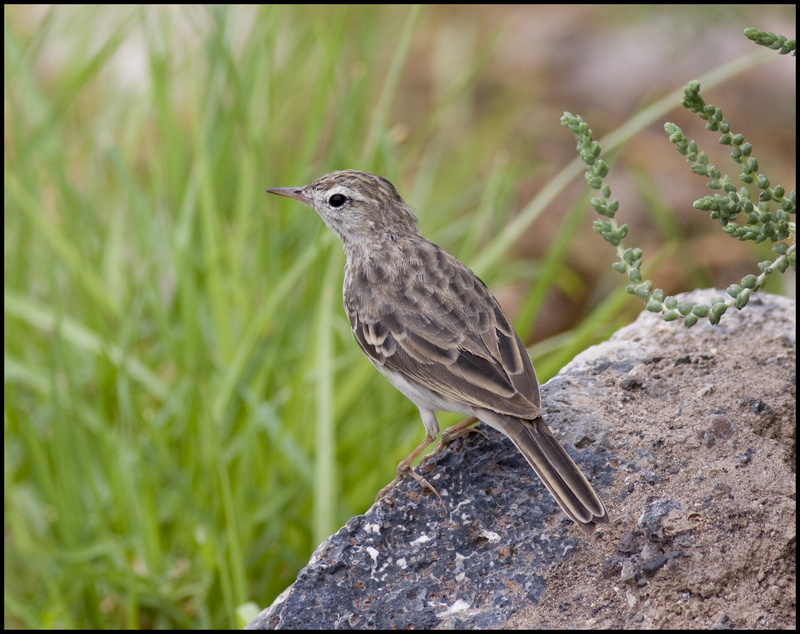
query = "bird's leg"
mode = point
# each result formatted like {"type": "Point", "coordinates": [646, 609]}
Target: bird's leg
{"type": "Point", "coordinates": [450, 434]}
{"type": "Point", "coordinates": [404, 468]}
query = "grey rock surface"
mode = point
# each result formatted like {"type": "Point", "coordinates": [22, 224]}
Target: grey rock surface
{"type": "Point", "coordinates": [688, 435]}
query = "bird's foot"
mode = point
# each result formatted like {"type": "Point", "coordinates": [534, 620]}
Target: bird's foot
{"type": "Point", "coordinates": [402, 471]}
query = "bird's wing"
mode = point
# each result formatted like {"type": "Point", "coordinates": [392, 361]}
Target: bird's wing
{"type": "Point", "coordinates": [438, 325]}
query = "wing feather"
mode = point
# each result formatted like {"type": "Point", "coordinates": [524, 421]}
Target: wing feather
{"type": "Point", "coordinates": [443, 330]}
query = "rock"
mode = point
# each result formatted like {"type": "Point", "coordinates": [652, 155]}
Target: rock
{"type": "Point", "coordinates": [687, 434]}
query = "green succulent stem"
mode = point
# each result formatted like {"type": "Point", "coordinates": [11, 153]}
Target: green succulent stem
{"type": "Point", "coordinates": [756, 210]}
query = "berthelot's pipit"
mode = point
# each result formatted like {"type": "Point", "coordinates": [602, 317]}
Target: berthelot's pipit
{"type": "Point", "coordinates": [434, 330]}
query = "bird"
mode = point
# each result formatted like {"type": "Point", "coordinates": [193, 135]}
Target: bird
{"type": "Point", "coordinates": [435, 331]}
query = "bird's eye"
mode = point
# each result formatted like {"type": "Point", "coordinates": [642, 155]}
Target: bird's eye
{"type": "Point", "coordinates": [337, 200]}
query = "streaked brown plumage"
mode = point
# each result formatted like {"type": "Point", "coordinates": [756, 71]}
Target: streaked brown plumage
{"type": "Point", "coordinates": [434, 330]}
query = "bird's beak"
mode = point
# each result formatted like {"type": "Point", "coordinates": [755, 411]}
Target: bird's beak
{"type": "Point", "coordinates": [291, 192]}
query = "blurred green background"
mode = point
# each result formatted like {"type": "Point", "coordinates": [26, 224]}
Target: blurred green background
{"type": "Point", "coordinates": [186, 413]}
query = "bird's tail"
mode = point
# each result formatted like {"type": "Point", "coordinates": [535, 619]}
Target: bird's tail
{"type": "Point", "coordinates": [559, 473]}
